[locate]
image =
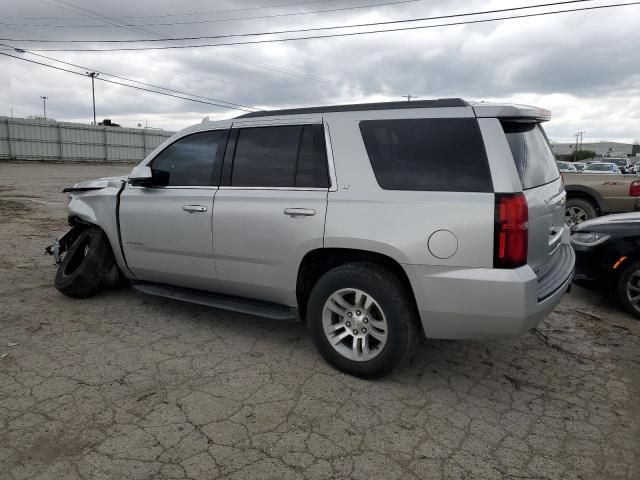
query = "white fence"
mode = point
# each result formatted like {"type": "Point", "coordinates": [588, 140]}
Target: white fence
{"type": "Point", "coordinates": [39, 139]}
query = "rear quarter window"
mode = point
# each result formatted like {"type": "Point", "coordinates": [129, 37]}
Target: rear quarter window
{"type": "Point", "coordinates": [427, 154]}
{"type": "Point", "coordinates": [531, 151]}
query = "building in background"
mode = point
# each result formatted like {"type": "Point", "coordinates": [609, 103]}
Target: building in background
{"type": "Point", "coordinates": [602, 149]}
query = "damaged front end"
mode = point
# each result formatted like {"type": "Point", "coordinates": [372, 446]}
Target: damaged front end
{"type": "Point", "coordinates": [90, 203]}
{"type": "Point", "coordinates": [62, 244]}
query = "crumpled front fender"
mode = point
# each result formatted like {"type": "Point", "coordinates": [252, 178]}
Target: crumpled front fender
{"type": "Point", "coordinates": [96, 203]}
{"type": "Point", "coordinates": [79, 209]}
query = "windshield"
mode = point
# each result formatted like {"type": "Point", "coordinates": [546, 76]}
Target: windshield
{"type": "Point", "coordinates": [621, 162]}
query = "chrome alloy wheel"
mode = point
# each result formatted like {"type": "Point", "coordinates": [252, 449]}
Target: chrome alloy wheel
{"type": "Point", "coordinates": [354, 324]}
{"type": "Point", "coordinates": [575, 215]}
{"type": "Point", "coordinates": [633, 289]}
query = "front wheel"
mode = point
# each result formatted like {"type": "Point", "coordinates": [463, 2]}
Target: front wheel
{"type": "Point", "coordinates": [628, 289]}
{"type": "Point", "coordinates": [86, 265]}
{"type": "Point", "coordinates": [363, 320]}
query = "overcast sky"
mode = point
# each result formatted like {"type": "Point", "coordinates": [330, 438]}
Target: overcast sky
{"type": "Point", "coordinates": [584, 66]}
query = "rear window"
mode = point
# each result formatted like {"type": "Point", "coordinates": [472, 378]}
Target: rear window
{"type": "Point", "coordinates": [531, 151]}
{"type": "Point", "coordinates": [434, 154]}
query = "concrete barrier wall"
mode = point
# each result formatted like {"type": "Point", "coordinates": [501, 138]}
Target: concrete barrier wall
{"type": "Point", "coordinates": [39, 139]}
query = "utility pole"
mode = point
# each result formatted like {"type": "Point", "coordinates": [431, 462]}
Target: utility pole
{"type": "Point", "coordinates": [93, 75]}
{"type": "Point", "coordinates": [581, 138]}
{"type": "Point", "coordinates": [578, 145]}
{"type": "Point", "coordinates": [409, 97]}
{"type": "Point", "coordinates": [44, 106]}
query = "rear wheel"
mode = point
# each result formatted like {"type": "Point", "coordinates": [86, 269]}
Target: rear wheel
{"type": "Point", "coordinates": [579, 210]}
{"type": "Point", "coordinates": [86, 265]}
{"type": "Point", "coordinates": [362, 320]}
{"type": "Point", "coordinates": [628, 289]}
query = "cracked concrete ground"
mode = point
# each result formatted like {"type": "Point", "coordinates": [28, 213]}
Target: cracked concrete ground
{"type": "Point", "coordinates": [125, 385]}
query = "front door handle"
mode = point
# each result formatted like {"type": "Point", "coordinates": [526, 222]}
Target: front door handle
{"type": "Point", "coordinates": [299, 212]}
{"type": "Point", "coordinates": [194, 208]}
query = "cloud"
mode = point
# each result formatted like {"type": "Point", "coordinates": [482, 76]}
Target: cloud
{"type": "Point", "coordinates": [582, 66]}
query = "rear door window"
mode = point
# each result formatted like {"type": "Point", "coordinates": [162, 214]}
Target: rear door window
{"type": "Point", "coordinates": [283, 156]}
{"type": "Point", "coordinates": [531, 151]}
{"type": "Point", "coordinates": [312, 171]}
{"type": "Point", "coordinates": [433, 154]}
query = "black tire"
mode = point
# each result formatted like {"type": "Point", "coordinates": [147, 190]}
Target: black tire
{"type": "Point", "coordinates": [394, 300]}
{"type": "Point", "coordinates": [86, 265]}
{"type": "Point", "coordinates": [586, 206]}
{"type": "Point", "coordinates": [621, 289]}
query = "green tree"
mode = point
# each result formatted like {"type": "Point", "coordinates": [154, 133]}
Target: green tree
{"type": "Point", "coordinates": [578, 156]}
{"type": "Point", "coordinates": [582, 155]}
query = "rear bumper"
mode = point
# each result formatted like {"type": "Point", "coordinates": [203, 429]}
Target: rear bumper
{"type": "Point", "coordinates": [486, 303]}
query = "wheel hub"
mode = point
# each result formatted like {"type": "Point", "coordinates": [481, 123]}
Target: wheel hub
{"type": "Point", "coordinates": [633, 289]}
{"type": "Point", "coordinates": [575, 215]}
{"type": "Point", "coordinates": [354, 324]}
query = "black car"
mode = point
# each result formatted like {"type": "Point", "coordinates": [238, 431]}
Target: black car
{"type": "Point", "coordinates": [608, 257]}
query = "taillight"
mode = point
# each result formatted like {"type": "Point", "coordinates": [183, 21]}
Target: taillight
{"type": "Point", "coordinates": [511, 230]}
{"type": "Point", "coordinates": [634, 189]}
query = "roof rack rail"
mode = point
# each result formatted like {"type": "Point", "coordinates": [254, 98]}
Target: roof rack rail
{"type": "Point", "coordinates": [358, 107]}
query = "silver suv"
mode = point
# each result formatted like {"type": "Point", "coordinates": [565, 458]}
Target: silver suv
{"type": "Point", "coordinates": [375, 224]}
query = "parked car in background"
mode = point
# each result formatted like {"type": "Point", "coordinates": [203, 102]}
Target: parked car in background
{"type": "Point", "coordinates": [347, 217]}
{"type": "Point", "coordinates": [579, 166]}
{"type": "Point", "coordinates": [608, 257]}
{"type": "Point", "coordinates": [567, 167]}
{"type": "Point", "coordinates": [624, 164]}
{"type": "Point", "coordinates": [590, 195]}
{"type": "Point", "coordinates": [603, 168]}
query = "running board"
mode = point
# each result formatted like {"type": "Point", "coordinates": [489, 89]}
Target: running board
{"type": "Point", "coordinates": [259, 308]}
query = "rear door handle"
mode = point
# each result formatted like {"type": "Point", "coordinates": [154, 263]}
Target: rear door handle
{"type": "Point", "coordinates": [299, 212]}
{"type": "Point", "coordinates": [194, 208]}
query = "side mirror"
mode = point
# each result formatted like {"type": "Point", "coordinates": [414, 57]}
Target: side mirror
{"type": "Point", "coordinates": [141, 176]}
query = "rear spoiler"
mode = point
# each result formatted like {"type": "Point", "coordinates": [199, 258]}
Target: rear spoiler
{"type": "Point", "coordinates": [522, 113]}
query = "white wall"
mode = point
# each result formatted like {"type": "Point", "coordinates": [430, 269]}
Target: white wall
{"type": "Point", "coordinates": [39, 139]}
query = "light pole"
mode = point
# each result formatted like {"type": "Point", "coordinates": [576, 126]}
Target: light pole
{"type": "Point", "coordinates": [93, 75]}
{"type": "Point", "coordinates": [44, 106]}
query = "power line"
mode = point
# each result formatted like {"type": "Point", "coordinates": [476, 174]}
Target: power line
{"type": "Point", "coordinates": [88, 13]}
{"type": "Point", "coordinates": [129, 79]}
{"type": "Point", "coordinates": [154, 65]}
{"type": "Point", "coordinates": [125, 84]}
{"type": "Point", "coordinates": [190, 13]}
{"type": "Point", "coordinates": [304, 30]}
{"type": "Point", "coordinates": [335, 35]}
{"type": "Point", "coordinates": [217, 20]}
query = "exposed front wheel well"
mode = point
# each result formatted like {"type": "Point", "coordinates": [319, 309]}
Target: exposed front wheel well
{"type": "Point", "coordinates": [318, 262]}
